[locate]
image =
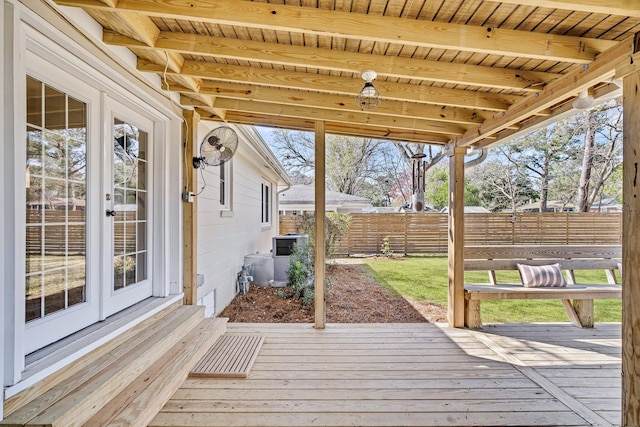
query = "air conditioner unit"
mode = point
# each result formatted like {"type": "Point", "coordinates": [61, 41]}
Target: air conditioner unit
{"type": "Point", "coordinates": [281, 252]}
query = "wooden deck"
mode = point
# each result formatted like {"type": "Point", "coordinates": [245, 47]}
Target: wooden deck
{"type": "Point", "coordinates": [413, 374]}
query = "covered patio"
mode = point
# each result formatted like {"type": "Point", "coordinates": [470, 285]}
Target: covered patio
{"type": "Point", "coordinates": [454, 73]}
{"type": "Point", "coordinates": [413, 375]}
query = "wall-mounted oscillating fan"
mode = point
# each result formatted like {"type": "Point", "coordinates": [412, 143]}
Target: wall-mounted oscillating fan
{"type": "Point", "coordinates": [217, 147]}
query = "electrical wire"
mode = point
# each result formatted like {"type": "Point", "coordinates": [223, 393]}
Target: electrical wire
{"type": "Point", "coordinates": [204, 182]}
{"type": "Point", "coordinates": [184, 152]}
{"type": "Point", "coordinates": [164, 73]}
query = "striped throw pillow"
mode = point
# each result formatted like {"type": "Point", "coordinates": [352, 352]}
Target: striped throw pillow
{"type": "Point", "coordinates": [534, 276]}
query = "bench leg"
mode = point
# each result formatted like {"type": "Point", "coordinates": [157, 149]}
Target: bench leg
{"type": "Point", "coordinates": [584, 310]}
{"type": "Point", "coordinates": [472, 314]}
{"type": "Point", "coordinates": [580, 312]}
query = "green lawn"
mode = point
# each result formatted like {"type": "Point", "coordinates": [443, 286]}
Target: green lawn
{"type": "Point", "coordinates": [424, 278]}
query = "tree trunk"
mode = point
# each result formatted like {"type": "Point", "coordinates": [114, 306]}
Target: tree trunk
{"type": "Point", "coordinates": [544, 184]}
{"type": "Point", "coordinates": [583, 204]}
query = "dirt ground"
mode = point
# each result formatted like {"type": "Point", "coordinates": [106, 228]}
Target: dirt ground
{"type": "Point", "coordinates": [353, 297]}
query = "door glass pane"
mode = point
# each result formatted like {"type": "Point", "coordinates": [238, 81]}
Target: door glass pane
{"type": "Point", "coordinates": [56, 185]}
{"type": "Point", "coordinates": [130, 186]}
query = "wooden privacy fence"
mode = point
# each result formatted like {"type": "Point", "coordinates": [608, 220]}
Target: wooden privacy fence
{"type": "Point", "coordinates": [426, 233]}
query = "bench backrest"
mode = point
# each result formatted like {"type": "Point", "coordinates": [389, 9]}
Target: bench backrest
{"type": "Point", "coordinates": [570, 257]}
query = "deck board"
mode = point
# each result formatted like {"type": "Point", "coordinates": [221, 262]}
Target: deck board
{"type": "Point", "coordinates": [413, 374]}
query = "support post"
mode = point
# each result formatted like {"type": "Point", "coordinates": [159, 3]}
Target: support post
{"type": "Point", "coordinates": [190, 209]}
{"type": "Point", "coordinates": [320, 308]}
{"type": "Point", "coordinates": [455, 313]}
{"type": "Point", "coordinates": [631, 252]}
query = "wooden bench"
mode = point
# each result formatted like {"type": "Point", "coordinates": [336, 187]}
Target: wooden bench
{"type": "Point", "coordinates": [576, 298]}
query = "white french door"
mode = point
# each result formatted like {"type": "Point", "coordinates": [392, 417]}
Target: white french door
{"type": "Point", "coordinates": [128, 208]}
{"type": "Point", "coordinates": [61, 220]}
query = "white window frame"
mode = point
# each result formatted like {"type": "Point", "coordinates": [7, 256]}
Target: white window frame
{"type": "Point", "coordinates": [226, 186]}
{"type": "Point", "coordinates": [266, 209]}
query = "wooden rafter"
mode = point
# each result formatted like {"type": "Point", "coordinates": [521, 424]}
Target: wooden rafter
{"type": "Point", "coordinates": [357, 117]}
{"type": "Point", "coordinates": [629, 8]}
{"type": "Point", "coordinates": [334, 84]}
{"type": "Point", "coordinates": [143, 29]}
{"type": "Point", "coordinates": [364, 27]}
{"type": "Point", "coordinates": [340, 103]}
{"type": "Point", "coordinates": [302, 56]}
{"type": "Point", "coordinates": [258, 119]}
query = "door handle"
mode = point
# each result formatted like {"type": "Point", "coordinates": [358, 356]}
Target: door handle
{"type": "Point", "coordinates": [111, 212]}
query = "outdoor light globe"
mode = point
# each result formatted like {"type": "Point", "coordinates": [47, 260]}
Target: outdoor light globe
{"type": "Point", "coordinates": [584, 101]}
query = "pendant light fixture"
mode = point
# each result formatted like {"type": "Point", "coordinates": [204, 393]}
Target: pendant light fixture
{"type": "Point", "coordinates": [369, 97]}
{"type": "Point", "coordinates": [584, 101]}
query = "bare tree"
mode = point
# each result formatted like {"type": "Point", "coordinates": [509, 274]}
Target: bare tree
{"type": "Point", "coordinates": [602, 155]}
{"type": "Point", "coordinates": [358, 166]}
{"type": "Point", "coordinates": [502, 185]}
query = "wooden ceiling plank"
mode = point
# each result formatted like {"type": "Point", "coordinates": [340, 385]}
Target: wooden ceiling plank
{"type": "Point", "coordinates": [360, 118]}
{"type": "Point", "coordinates": [343, 61]}
{"type": "Point", "coordinates": [371, 28]}
{"type": "Point", "coordinates": [609, 7]}
{"type": "Point", "coordinates": [602, 69]}
{"type": "Point", "coordinates": [344, 85]}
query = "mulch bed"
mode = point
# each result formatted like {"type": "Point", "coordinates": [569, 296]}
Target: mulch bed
{"type": "Point", "coordinates": [353, 296]}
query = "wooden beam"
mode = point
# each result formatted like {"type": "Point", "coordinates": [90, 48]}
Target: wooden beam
{"type": "Point", "coordinates": [631, 253]}
{"type": "Point", "coordinates": [320, 306]}
{"type": "Point", "coordinates": [628, 8]}
{"type": "Point", "coordinates": [349, 129]}
{"type": "Point", "coordinates": [341, 103]}
{"type": "Point", "coordinates": [456, 238]}
{"type": "Point", "coordinates": [327, 59]}
{"type": "Point", "coordinates": [190, 210]}
{"type": "Point", "coordinates": [355, 117]}
{"type": "Point", "coordinates": [138, 27]}
{"type": "Point", "coordinates": [371, 28]}
{"type": "Point", "coordinates": [143, 29]}
{"type": "Point", "coordinates": [582, 78]}
{"type": "Point", "coordinates": [333, 84]}
{"type": "Point", "coordinates": [601, 94]}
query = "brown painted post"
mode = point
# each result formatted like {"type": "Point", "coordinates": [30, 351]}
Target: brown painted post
{"type": "Point", "coordinates": [456, 238]}
{"type": "Point", "coordinates": [320, 307]}
{"type": "Point", "coordinates": [631, 253]}
{"type": "Point", "coordinates": [190, 210]}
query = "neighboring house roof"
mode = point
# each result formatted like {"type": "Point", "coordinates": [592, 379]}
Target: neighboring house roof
{"type": "Point", "coordinates": [301, 196]}
{"type": "Point", "coordinates": [608, 204]}
{"type": "Point", "coordinates": [551, 205]}
{"type": "Point", "coordinates": [470, 209]}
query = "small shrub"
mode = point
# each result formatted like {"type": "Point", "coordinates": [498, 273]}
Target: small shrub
{"type": "Point", "coordinates": [385, 248]}
{"type": "Point", "coordinates": [300, 274]}
{"type": "Point", "coordinates": [336, 227]}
